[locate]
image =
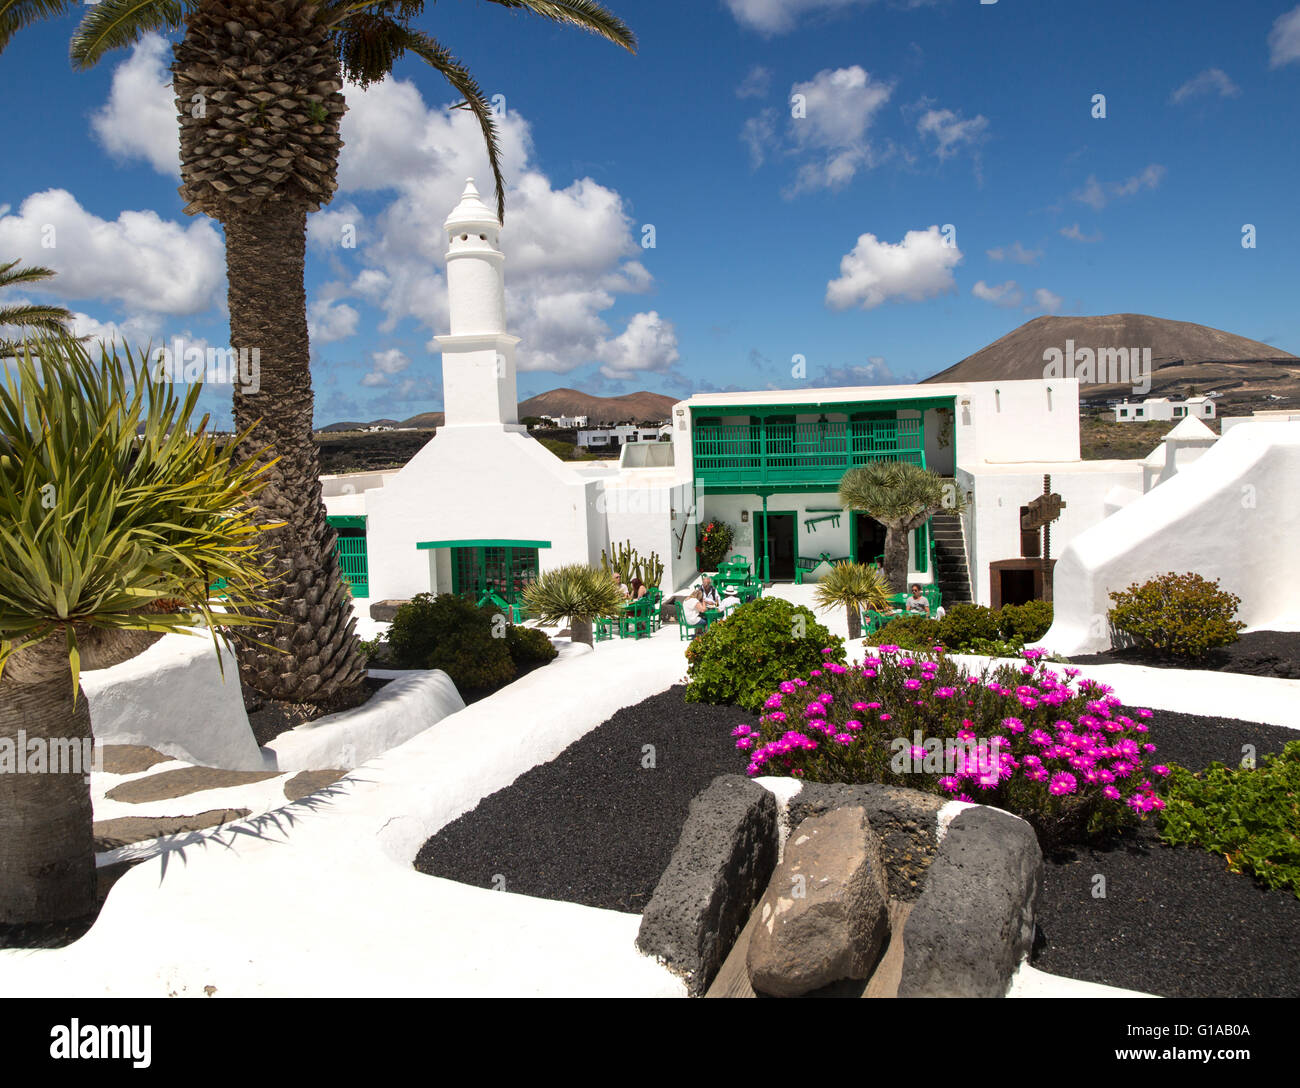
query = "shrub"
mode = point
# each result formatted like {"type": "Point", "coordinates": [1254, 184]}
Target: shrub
{"type": "Point", "coordinates": [1177, 615]}
{"type": "Point", "coordinates": [1024, 623]}
{"type": "Point", "coordinates": [964, 623]}
{"type": "Point", "coordinates": [909, 632]}
{"type": "Point", "coordinates": [1250, 816]}
{"type": "Point", "coordinates": [1068, 758]}
{"type": "Point", "coordinates": [740, 659]}
{"type": "Point", "coordinates": [450, 633]}
{"type": "Point", "coordinates": [713, 544]}
{"type": "Point", "coordinates": [574, 592]}
{"type": "Point", "coordinates": [528, 645]}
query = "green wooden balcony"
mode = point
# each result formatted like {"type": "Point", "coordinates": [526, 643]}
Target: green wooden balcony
{"type": "Point", "coordinates": [787, 456]}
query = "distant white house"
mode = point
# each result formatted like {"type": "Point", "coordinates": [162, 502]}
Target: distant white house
{"type": "Point", "coordinates": [623, 434]}
{"type": "Point", "coordinates": [566, 422]}
{"type": "Point", "coordinates": [1162, 409]}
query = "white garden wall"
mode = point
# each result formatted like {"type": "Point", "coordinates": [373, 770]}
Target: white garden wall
{"type": "Point", "coordinates": [1230, 515]}
{"type": "Point", "coordinates": [173, 697]}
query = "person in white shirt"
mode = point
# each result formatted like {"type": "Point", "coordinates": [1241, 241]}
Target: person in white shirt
{"type": "Point", "coordinates": [621, 587]}
{"type": "Point", "coordinates": [693, 608]}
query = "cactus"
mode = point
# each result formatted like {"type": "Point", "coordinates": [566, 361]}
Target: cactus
{"type": "Point", "coordinates": [651, 569]}
{"type": "Point", "coordinates": [624, 563]}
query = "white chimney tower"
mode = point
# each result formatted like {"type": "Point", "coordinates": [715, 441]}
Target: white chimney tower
{"type": "Point", "coordinates": [478, 356]}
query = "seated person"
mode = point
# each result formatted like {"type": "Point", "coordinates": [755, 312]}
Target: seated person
{"type": "Point", "coordinates": [709, 592]}
{"type": "Point", "coordinates": [621, 587]}
{"type": "Point", "coordinates": [916, 604]}
{"type": "Point", "coordinates": [637, 589]}
{"type": "Point", "coordinates": [693, 608]}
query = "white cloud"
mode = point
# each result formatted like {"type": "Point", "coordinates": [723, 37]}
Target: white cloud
{"type": "Point", "coordinates": [570, 252]}
{"type": "Point", "coordinates": [779, 16]}
{"type": "Point", "coordinates": [137, 331]}
{"type": "Point", "coordinates": [1075, 233]}
{"type": "Point", "coordinates": [149, 264]}
{"type": "Point", "coordinates": [1015, 253]}
{"type": "Point", "coordinates": [139, 119]}
{"type": "Point", "coordinates": [1211, 81]}
{"type": "Point", "coordinates": [386, 365]}
{"type": "Point", "coordinates": [1047, 301]}
{"type": "Point", "coordinates": [1098, 194]}
{"type": "Point", "coordinates": [1004, 294]}
{"type": "Point", "coordinates": [950, 131]}
{"type": "Point", "coordinates": [830, 117]}
{"type": "Point", "coordinates": [328, 321]}
{"type": "Point", "coordinates": [649, 343]}
{"type": "Point", "coordinates": [335, 226]}
{"type": "Point", "coordinates": [1284, 39]}
{"type": "Point", "coordinates": [917, 268]}
{"type": "Point", "coordinates": [755, 83]}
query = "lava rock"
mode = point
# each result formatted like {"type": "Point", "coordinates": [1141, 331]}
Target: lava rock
{"type": "Point", "coordinates": [722, 863]}
{"type": "Point", "coordinates": [974, 922]}
{"type": "Point", "coordinates": [905, 821]}
{"type": "Point", "coordinates": [825, 915]}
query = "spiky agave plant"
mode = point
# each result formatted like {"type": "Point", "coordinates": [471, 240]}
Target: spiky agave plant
{"type": "Point", "coordinates": [853, 587]}
{"type": "Point", "coordinates": [109, 505]}
{"type": "Point", "coordinates": [901, 497]}
{"type": "Point", "coordinates": [576, 593]}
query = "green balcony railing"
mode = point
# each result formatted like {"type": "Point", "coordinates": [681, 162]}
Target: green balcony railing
{"type": "Point", "coordinates": [790, 454]}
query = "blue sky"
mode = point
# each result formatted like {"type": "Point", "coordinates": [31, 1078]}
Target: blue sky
{"type": "Point", "coordinates": [821, 235]}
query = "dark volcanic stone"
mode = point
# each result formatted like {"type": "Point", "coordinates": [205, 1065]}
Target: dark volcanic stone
{"type": "Point", "coordinates": [905, 821]}
{"type": "Point", "coordinates": [1256, 653]}
{"type": "Point", "coordinates": [722, 863]}
{"type": "Point", "coordinates": [974, 922]}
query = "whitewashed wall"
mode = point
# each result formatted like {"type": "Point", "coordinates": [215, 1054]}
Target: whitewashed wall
{"type": "Point", "coordinates": [475, 483]}
{"type": "Point", "coordinates": [999, 495]}
{"type": "Point", "coordinates": [1231, 515]}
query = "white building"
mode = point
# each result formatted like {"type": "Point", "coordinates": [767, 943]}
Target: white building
{"type": "Point", "coordinates": [1162, 409]}
{"type": "Point", "coordinates": [483, 505]}
{"type": "Point", "coordinates": [567, 423]}
{"type": "Point", "coordinates": [624, 433]}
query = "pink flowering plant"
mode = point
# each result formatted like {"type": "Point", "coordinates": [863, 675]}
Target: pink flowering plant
{"type": "Point", "coordinates": [1063, 753]}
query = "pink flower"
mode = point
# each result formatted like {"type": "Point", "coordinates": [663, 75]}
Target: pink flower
{"type": "Point", "coordinates": [745, 743]}
{"type": "Point", "coordinates": [1160, 769]}
{"type": "Point", "coordinates": [787, 686]}
{"type": "Point", "coordinates": [911, 684]}
{"type": "Point", "coordinates": [853, 725]}
{"type": "Point", "coordinates": [825, 698]}
{"type": "Point", "coordinates": [1110, 792]}
{"type": "Point", "coordinates": [859, 707]}
{"type": "Point", "coordinates": [741, 731]}
{"type": "Point", "coordinates": [949, 784]}
{"type": "Point", "coordinates": [886, 717]}
{"type": "Point", "coordinates": [944, 693]}
{"type": "Point", "coordinates": [1062, 783]}
{"type": "Point", "coordinates": [843, 738]}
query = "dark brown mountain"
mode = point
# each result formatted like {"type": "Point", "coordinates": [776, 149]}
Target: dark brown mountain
{"type": "Point", "coordinates": [558, 402]}
{"type": "Point", "coordinates": [1183, 355]}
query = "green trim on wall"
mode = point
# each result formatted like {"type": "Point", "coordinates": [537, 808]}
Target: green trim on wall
{"type": "Point", "coordinates": [426, 544]}
{"type": "Point", "coordinates": [346, 521]}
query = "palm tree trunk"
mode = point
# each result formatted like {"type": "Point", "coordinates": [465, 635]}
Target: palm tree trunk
{"type": "Point", "coordinates": [896, 558]}
{"type": "Point", "coordinates": [47, 844]}
{"type": "Point", "coordinates": [321, 659]}
{"type": "Point", "coordinates": [580, 631]}
{"type": "Point", "coordinates": [855, 623]}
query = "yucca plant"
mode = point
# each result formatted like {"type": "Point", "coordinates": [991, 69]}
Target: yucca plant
{"type": "Point", "coordinates": [32, 318]}
{"type": "Point", "coordinates": [259, 98]}
{"type": "Point", "coordinates": [901, 497]}
{"type": "Point", "coordinates": [853, 587]}
{"type": "Point", "coordinates": [575, 593]}
{"type": "Point", "coordinates": [115, 518]}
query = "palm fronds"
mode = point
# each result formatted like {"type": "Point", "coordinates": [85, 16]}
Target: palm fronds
{"type": "Point", "coordinates": [109, 502]}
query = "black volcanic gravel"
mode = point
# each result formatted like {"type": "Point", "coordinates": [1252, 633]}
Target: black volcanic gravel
{"type": "Point", "coordinates": [1174, 922]}
{"type": "Point", "coordinates": [1257, 653]}
{"type": "Point", "coordinates": [593, 826]}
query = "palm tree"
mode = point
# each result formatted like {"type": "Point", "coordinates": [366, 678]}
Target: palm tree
{"type": "Point", "coordinates": [853, 587]}
{"type": "Point", "coordinates": [258, 91]}
{"type": "Point", "coordinates": [576, 593]}
{"type": "Point", "coordinates": [901, 497]}
{"type": "Point", "coordinates": [115, 517]}
{"type": "Point", "coordinates": [30, 318]}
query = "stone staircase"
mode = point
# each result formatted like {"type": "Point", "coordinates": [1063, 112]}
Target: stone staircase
{"type": "Point", "coordinates": [951, 571]}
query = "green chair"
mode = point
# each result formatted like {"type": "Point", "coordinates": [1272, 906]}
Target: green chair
{"type": "Point", "coordinates": [603, 629]}
{"type": "Point", "coordinates": [656, 599]}
{"type": "Point", "coordinates": [685, 631]}
{"type": "Point", "coordinates": [635, 622]}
